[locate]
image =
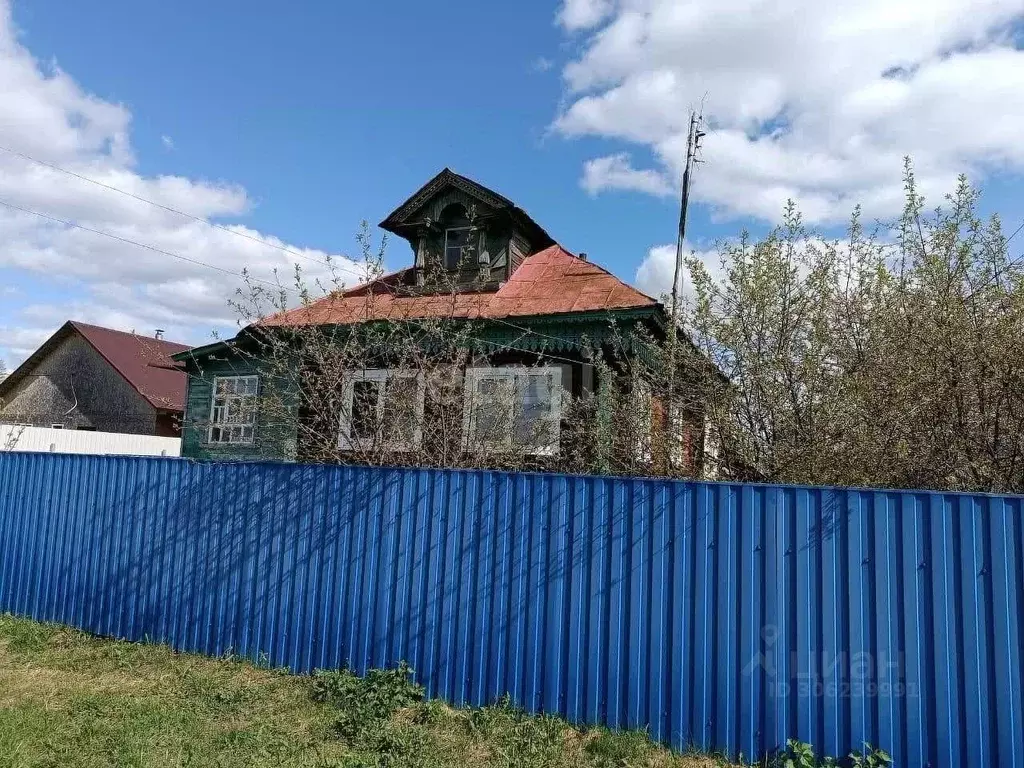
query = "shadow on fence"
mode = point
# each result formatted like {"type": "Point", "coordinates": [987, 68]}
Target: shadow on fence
{"type": "Point", "coordinates": [730, 617]}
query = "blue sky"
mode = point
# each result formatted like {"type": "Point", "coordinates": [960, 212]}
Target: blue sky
{"type": "Point", "coordinates": [329, 113]}
{"type": "Point", "coordinates": [297, 121]}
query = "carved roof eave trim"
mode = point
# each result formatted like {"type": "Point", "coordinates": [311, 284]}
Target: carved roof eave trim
{"type": "Point", "coordinates": [447, 177]}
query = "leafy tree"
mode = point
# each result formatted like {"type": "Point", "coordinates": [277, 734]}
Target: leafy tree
{"type": "Point", "coordinates": [887, 358]}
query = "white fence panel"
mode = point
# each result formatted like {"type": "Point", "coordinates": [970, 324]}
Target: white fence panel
{"type": "Point", "coordinates": [44, 439]}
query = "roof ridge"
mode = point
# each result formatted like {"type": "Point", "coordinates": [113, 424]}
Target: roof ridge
{"type": "Point", "coordinates": [141, 369]}
{"type": "Point", "coordinates": [149, 395]}
{"type": "Point", "coordinates": [81, 324]}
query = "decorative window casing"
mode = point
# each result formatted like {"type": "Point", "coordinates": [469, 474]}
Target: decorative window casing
{"type": "Point", "coordinates": [513, 409]}
{"type": "Point", "coordinates": [382, 409]}
{"type": "Point", "coordinates": [233, 410]}
{"type": "Point", "coordinates": [461, 238]}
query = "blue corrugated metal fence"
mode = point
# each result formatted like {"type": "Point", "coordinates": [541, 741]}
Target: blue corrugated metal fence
{"type": "Point", "coordinates": [729, 617]}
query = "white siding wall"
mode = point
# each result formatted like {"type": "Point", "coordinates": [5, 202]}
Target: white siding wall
{"type": "Point", "coordinates": [44, 439]}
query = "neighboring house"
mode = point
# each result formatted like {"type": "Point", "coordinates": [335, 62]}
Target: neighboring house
{"type": "Point", "coordinates": [90, 378]}
{"type": "Point", "coordinates": [527, 297]}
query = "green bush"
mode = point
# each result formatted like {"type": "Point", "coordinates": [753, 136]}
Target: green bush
{"type": "Point", "coordinates": [799, 754]}
{"type": "Point", "coordinates": [433, 712]}
{"type": "Point", "coordinates": [364, 703]}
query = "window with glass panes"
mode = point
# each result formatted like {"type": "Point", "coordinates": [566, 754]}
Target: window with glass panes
{"type": "Point", "coordinates": [381, 409]}
{"type": "Point", "coordinates": [513, 409]}
{"type": "Point", "coordinates": [459, 244]}
{"type": "Point", "coordinates": [233, 410]}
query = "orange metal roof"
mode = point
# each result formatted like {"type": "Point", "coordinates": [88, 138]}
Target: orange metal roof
{"type": "Point", "coordinates": [550, 282]}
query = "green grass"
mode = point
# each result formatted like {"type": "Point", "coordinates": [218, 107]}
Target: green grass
{"type": "Point", "coordinates": [70, 699]}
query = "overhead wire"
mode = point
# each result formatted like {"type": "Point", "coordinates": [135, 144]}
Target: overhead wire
{"type": "Point", "coordinates": [201, 220]}
{"type": "Point", "coordinates": [170, 209]}
{"type": "Point", "coordinates": [1016, 232]}
{"type": "Point", "coordinates": [129, 241]}
{"type": "Point", "coordinates": [275, 286]}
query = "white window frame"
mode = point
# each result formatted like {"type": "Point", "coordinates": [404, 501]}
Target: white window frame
{"type": "Point", "coordinates": [678, 435]}
{"type": "Point", "coordinates": [229, 428]}
{"type": "Point", "coordinates": [348, 443]}
{"type": "Point", "coordinates": [712, 458]}
{"type": "Point", "coordinates": [512, 374]}
{"type": "Point", "coordinates": [642, 399]}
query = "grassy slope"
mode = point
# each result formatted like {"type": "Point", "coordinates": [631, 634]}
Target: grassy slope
{"type": "Point", "coordinates": [68, 699]}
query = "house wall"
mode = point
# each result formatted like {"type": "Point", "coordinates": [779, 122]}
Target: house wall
{"type": "Point", "coordinates": [76, 387]}
{"type": "Point", "coordinates": [519, 249]}
{"type": "Point", "coordinates": [280, 442]}
{"type": "Point", "coordinates": [560, 337]}
{"type": "Point", "coordinates": [273, 442]}
{"type": "Point", "coordinates": [168, 424]}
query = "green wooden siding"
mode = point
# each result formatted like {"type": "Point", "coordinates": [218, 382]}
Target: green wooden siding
{"type": "Point", "coordinates": [270, 441]}
{"type": "Point", "coordinates": [566, 335]}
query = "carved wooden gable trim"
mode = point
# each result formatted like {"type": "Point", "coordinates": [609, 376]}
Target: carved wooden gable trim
{"type": "Point", "coordinates": [441, 186]}
{"type": "Point", "coordinates": [434, 206]}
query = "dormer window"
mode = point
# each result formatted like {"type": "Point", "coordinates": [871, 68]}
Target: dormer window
{"type": "Point", "coordinates": [460, 238]}
{"type": "Point", "coordinates": [458, 246]}
{"type": "Point", "coordinates": [463, 234]}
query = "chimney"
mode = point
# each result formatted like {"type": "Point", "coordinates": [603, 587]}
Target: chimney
{"type": "Point", "coordinates": [159, 333]}
{"type": "Point", "coordinates": [583, 256]}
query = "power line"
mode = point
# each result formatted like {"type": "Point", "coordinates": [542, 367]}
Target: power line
{"type": "Point", "coordinates": [274, 285]}
{"type": "Point", "coordinates": [169, 209]}
{"type": "Point", "coordinates": [201, 220]}
{"type": "Point", "coordinates": [1015, 232]}
{"type": "Point", "coordinates": [148, 247]}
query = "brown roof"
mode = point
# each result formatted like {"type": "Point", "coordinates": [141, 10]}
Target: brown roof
{"type": "Point", "coordinates": [550, 282]}
{"type": "Point", "coordinates": [144, 362]}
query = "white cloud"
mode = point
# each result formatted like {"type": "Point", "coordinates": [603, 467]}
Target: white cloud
{"type": "Point", "coordinates": [20, 343]}
{"type": "Point", "coordinates": [615, 172]}
{"type": "Point", "coordinates": [167, 141]}
{"type": "Point", "coordinates": [576, 15]}
{"type": "Point", "coordinates": [654, 275]}
{"type": "Point", "coordinates": [45, 114]}
{"type": "Point", "coordinates": [812, 100]}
